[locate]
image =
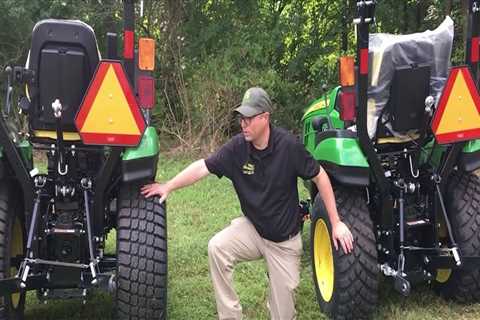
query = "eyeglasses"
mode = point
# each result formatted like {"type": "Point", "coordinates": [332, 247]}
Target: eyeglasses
{"type": "Point", "coordinates": [247, 120]}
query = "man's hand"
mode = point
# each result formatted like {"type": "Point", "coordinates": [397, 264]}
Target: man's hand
{"type": "Point", "coordinates": [156, 189]}
{"type": "Point", "coordinates": [191, 174]}
{"type": "Point", "coordinates": [341, 234]}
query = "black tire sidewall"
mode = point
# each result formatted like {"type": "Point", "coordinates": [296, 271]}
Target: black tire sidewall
{"type": "Point", "coordinates": [362, 262]}
{"type": "Point", "coordinates": [14, 207]}
{"type": "Point", "coordinates": [319, 212]}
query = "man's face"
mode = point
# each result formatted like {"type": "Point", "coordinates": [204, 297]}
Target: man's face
{"type": "Point", "coordinates": [254, 127]}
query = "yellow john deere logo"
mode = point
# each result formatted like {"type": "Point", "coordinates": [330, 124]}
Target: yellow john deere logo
{"type": "Point", "coordinates": [248, 168]}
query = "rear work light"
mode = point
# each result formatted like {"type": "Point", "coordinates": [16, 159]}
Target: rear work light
{"type": "Point", "coordinates": [347, 94]}
{"type": "Point", "coordinates": [146, 54]}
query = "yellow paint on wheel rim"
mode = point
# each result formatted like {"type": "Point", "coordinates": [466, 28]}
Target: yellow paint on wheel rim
{"type": "Point", "coordinates": [323, 259]}
{"type": "Point", "coordinates": [443, 275]}
{"type": "Point", "coordinates": [16, 249]}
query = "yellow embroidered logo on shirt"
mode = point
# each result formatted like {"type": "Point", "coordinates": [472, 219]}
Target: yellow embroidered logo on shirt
{"type": "Point", "coordinates": [248, 168]}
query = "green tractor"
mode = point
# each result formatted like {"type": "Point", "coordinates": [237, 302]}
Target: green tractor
{"type": "Point", "coordinates": [399, 140]}
{"type": "Point", "coordinates": [88, 118]}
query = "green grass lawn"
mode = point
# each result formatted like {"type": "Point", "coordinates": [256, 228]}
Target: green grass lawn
{"type": "Point", "coordinates": [195, 214]}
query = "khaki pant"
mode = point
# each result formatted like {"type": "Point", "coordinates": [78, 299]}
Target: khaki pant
{"type": "Point", "coordinates": [240, 242]}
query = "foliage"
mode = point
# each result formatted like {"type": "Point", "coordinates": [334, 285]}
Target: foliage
{"type": "Point", "coordinates": [209, 52]}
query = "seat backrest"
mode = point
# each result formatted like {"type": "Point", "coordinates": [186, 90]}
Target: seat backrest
{"type": "Point", "coordinates": [406, 105]}
{"type": "Point", "coordinates": [63, 56]}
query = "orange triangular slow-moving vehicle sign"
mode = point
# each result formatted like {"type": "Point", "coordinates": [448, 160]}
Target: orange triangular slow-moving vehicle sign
{"type": "Point", "coordinates": [109, 113]}
{"type": "Point", "coordinates": [457, 117]}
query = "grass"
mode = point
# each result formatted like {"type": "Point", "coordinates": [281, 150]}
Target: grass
{"type": "Point", "coordinates": [195, 214]}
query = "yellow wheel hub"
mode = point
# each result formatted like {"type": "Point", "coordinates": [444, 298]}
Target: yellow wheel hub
{"type": "Point", "coordinates": [443, 275]}
{"type": "Point", "coordinates": [16, 249]}
{"type": "Point", "coordinates": [323, 260]}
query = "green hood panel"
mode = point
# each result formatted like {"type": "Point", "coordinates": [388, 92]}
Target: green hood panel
{"type": "Point", "coordinates": [341, 151]}
{"type": "Point", "coordinates": [148, 147]}
{"type": "Point", "coordinates": [320, 106]}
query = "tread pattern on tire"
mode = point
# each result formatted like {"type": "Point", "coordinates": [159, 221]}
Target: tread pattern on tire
{"type": "Point", "coordinates": [5, 203]}
{"type": "Point", "coordinates": [3, 234]}
{"type": "Point", "coordinates": [463, 208]}
{"type": "Point", "coordinates": [355, 292]}
{"type": "Point", "coordinates": [142, 256]}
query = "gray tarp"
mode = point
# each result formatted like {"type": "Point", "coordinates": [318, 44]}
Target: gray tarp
{"type": "Point", "coordinates": [388, 52]}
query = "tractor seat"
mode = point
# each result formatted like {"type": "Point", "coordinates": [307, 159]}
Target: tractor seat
{"type": "Point", "coordinates": [64, 55]}
{"type": "Point", "coordinates": [404, 116]}
{"type": "Point", "coordinates": [404, 70]}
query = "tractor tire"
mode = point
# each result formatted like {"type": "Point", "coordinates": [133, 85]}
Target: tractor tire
{"type": "Point", "coordinates": [463, 208]}
{"type": "Point", "coordinates": [12, 244]}
{"type": "Point", "coordinates": [346, 284]}
{"type": "Point", "coordinates": [141, 278]}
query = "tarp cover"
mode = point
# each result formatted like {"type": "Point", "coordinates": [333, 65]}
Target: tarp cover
{"type": "Point", "coordinates": [388, 52]}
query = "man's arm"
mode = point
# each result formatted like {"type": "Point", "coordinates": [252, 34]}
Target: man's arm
{"type": "Point", "coordinates": [191, 174]}
{"type": "Point", "coordinates": [340, 232]}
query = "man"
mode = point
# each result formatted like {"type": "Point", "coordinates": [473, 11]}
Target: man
{"type": "Point", "coordinates": [263, 162]}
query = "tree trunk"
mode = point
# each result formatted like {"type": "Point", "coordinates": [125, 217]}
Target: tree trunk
{"type": "Point", "coordinates": [448, 7]}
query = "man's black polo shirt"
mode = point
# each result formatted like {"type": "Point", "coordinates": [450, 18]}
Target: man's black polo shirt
{"type": "Point", "coordinates": [266, 180]}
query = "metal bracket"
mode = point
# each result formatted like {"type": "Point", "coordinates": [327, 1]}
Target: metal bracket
{"type": "Point", "coordinates": [401, 284]}
{"type": "Point", "coordinates": [476, 7]}
{"type": "Point", "coordinates": [57, 108]}
{"type": "Point", "coordinates": [87, 184]}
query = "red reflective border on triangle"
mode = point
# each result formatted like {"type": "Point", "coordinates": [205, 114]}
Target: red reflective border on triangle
{"type": "Point", "coordinates": [132, 102]}
{"type": "Point", "coordinates": [458, 136]}
{"type": "Point", "coordinates": [90, 95]}
{"type": "Point", "coordinates": [110, 139]}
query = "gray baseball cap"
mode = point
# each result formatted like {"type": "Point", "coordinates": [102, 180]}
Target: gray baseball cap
{"type": "Point", "coordinates": [255, 101]}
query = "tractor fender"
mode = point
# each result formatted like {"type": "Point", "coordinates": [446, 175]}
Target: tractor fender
{"type": "Point", "coordinates": [140, 163]}
{"type": "Point", "coordinates": [340, 155]}
{"type": "Point", "coordinates": [470, 157]}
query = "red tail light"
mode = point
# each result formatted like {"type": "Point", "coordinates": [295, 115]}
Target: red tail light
{"type": "Point", "coordinates": [475, 50]}
{"type": "Point", "coordinates": [347, 81]}
{"type": "Point", "coordinates": [146, 92]}
{"type": "Point", "coordinates": [347, 104]}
